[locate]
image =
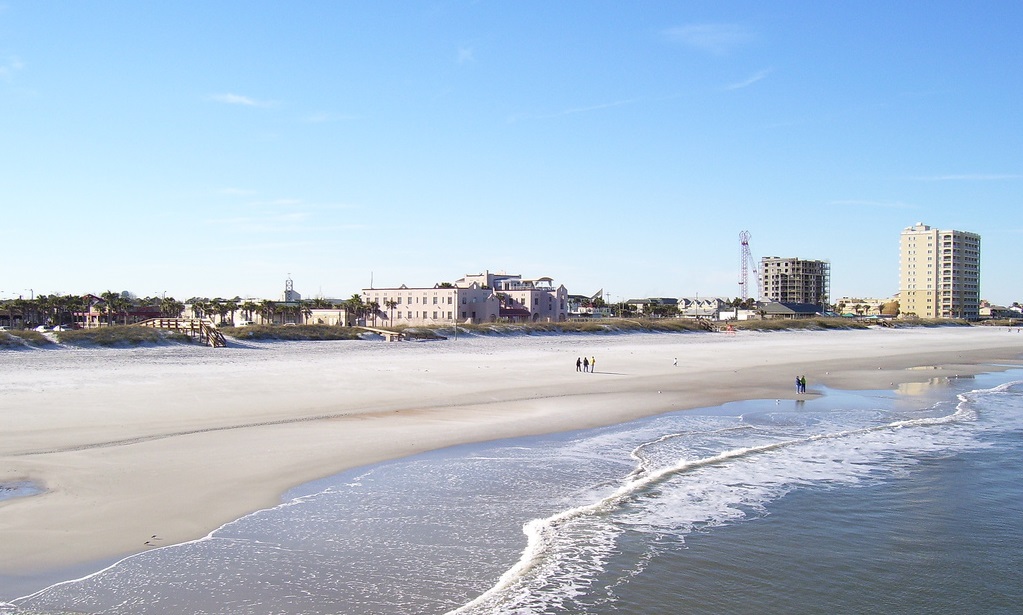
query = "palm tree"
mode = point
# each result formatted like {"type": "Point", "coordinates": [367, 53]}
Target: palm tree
{"type": "Point", "coordinates": [199, 307]}
{"type": "Point", "coordinates": [288, 313]}
{"type": "Point", "coordinates": [267, 309]}
{"type": "Point", "coordinates": [230, 307]}
{"type": "Point", "coordinates": [372, 311]}
{"type": "Point", "coordinates": [354, 307]}
{"type": "Point", "coordinates": [215, 306]}
{"type": "Point", "coordinates": [9, 304]}
{"type": "Point", "coordinates": [169, 308]}
{"type": "Point", "coordinates": [44, 304]}
{"type": "Point", "coordinates": [108, 303]}
{"type": "Point", "coordinates": [390, 304]}
{"type": "Point", "coordinates": [249, 309]}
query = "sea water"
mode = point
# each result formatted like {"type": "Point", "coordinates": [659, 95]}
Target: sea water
{"type": "Point", "coordinates": [905, 501]}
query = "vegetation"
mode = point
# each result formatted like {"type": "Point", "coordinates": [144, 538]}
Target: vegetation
{"type": "Point", "coordinates": [637, 325]}
{"type": "Point", "coordinates": [128, 336]}
{"type": "Point", "coordinates": [1004, 322]}
{"type": "Point", "coordinates": [293, 333]}
{"type": "Point", "coordinates": [119, 335]}
{"type": "Point", "coordinates": [27, 338]}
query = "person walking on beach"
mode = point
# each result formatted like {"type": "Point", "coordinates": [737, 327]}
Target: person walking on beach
{"type": "Point", "coordinates": [593, 364]}
{"type": "Point", "coordinates": [586, 364]}
{"type": "Point", "coordinates": [802, 384]}
{"type": "Point", "coordinates": [578, 364]}
{"type": "Point", "coordinates": [799, 385]}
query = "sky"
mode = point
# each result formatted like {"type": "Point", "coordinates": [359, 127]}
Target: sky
{"type": "Point", "coordinates": [218, 148]}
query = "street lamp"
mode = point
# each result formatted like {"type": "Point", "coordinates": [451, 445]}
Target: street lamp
{"type": "Point", "coordinates": [33, 294]}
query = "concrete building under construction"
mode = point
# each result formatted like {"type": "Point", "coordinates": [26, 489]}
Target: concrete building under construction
{"type": "Point", "coordinates": [794, 280]}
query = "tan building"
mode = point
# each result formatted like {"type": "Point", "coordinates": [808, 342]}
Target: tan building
{"type": "Point", "coordinates": [861, 306]}
{"type": "Point", "coordinates": [794, 280]}
{"type": "Point", "coordinates": [939, 273]}
{"type": "Point", "coordinates": [479, 298]}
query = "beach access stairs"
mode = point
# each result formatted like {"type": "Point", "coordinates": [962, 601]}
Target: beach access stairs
{"type": "Point", "coordinates": [202, 328]}
{"type": "Point", "coordinates": [390, 336]}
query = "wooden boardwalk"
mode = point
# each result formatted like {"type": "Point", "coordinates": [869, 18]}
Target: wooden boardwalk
{"type": "Point", "coordinates": [390, 336]}
{"type": "Point", "coordinates": [204, 329]}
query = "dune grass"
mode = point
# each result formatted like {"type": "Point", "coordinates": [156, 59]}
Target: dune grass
{"type": "Point", "coordinates": [23, 338]}
{"type": "Point", "coordinates": [293, 333]}
{"type": "Point", "coordinates": [129, 336]}
{"type": "Point", "coordinates": [120, 335]}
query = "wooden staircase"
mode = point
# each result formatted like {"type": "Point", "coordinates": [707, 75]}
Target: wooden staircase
{"type": "Point", "coordinates": [201, 328]}
{"type": "Point", "coordinates": [390, 336]}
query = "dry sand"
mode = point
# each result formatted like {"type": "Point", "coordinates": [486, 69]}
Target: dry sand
{"type": "Point", "coordinates": [176, 441]}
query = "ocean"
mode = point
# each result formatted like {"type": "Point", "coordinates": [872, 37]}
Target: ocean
{"type": "Point", "coordinates": [906, 501]}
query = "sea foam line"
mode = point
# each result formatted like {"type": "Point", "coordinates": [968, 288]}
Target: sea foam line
{"type": "Point", "coordinates": [540, 533]}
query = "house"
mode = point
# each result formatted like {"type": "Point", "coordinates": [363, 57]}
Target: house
{"type": "Point", "coordinates": [655, 306]}
{"type": "Point", "coordinates": [853, 306]}
{"type": "Point", "coordinates": [775, 309]}
{"type": "Point", "coordinates": [998, 312]}
{"type": "Point", "coordinates": [711, 308]}
{"type": "Point", "coordinates": [592, 306]}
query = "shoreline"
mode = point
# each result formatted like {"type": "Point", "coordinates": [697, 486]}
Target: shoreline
{"type": "Point", "coordinates": [176, 447]}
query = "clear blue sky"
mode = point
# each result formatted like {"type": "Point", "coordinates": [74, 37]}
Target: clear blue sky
{"type": "Point", "coordinates": [213, 148]}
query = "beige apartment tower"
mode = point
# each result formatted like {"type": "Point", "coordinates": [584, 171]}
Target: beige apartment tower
{"type": "Point", "coordinates": [939, 273]}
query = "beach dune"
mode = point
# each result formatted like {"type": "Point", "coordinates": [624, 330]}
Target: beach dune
{"type": "Point", "coordinates": [135, 448]}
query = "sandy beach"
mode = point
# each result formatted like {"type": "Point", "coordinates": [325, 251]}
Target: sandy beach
{"type": "Point", "coordinates": [140, 447]}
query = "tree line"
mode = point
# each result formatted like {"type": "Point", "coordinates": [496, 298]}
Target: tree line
{"type": "Point", "coordinates": [126, 308]}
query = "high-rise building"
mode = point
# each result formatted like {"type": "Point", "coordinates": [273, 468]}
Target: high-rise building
{"type": "Point", "coordinates": [794, 280]}
{"type": "Point", "coordinates": [939, 273]}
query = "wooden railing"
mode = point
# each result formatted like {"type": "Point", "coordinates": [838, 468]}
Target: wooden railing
{"type": "Point", "coordinates": [201, 328]}
{"type": "Point", "coordinates": [390, 336]}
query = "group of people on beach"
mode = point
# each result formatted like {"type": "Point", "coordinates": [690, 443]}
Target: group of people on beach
{"type": "Point", "coordinates": [800, 384]}
{"type": "Point", "coordinates": [583, 364]}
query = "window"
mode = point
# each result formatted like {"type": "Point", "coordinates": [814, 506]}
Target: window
{"type": "Point", "coordinates": [435, 302]}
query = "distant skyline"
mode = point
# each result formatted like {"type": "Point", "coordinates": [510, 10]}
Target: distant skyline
{"type": "Point", "coordinates": [212, 149]}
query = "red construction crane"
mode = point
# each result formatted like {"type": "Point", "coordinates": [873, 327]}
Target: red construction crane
{"type": "Point", "coordinates": [746, 261]}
